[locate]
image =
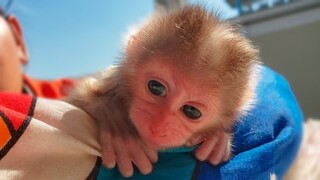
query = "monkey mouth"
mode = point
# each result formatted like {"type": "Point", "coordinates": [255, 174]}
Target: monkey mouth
{"type": "Point", "coordinates": [160, 143]}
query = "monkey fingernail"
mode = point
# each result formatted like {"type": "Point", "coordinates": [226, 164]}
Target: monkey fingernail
{"type": "Point", "coordinates": [226, 157]}
{"type": "Point", "coordinates": [109, 165]}
{"type": "Point", "coordinates": [127, 174]}
{"type": "Point", "coordinates": [200, 157]}
{"type": "Point", "coordinates": [188, 144]}
{"type": "Point", "coordinates": [214, 161]}
{"type": "Point", "coordinates": [154, 159]}
{"type": "Point", "coordinates": [147, 170]}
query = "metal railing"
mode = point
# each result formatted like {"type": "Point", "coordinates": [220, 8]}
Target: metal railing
{"type": "Point", "coordinates": [251, 6]}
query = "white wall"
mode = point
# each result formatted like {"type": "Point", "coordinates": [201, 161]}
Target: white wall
{"type": "Point", "coordinates": [295, 53]}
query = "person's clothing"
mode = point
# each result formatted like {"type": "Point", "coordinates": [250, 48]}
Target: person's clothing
{"type": "Point", "coordinates": [49, 89]}
{"type": "Point", "coordinates": [48, 139]}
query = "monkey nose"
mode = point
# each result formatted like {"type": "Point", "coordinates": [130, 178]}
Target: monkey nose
{"type": "Point", "coordinates": [160, 128]}
{"type": "Point", "coordinates": [159, 133]}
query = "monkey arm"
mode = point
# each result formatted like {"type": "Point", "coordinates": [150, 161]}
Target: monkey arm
{"type": "Point", "coordinates": [121, 144]}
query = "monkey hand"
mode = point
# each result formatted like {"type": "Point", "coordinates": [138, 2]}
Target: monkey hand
{"type": "Point", "coordinates": [213, 149]}
{"type": "Point", "coordinates": [121, 144]}
{"type": "Point", "coordinates": [119, 139]}
{"type": "Point", "coordinates": [124, 151]}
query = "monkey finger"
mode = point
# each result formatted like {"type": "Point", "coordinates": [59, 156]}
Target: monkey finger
{"type": "Point", "coordinates": [141, 160]}
{"type": "Point", "coordinates": [151, 153]}
{"type": "Point", "coordinates": [194, 140]}
{"type": "Point", "coordinates": [108, 154]}
{"type": "Point", "coordinates": [206, 148]}
{"type": "Point", "coordinates": [227, 153]}
{"type": "Point", "coordinates": [109, 158]}
{"type": "Point", "coordinates": [217, 155]}
{"type": "Point", "coordinates": [125, 165]}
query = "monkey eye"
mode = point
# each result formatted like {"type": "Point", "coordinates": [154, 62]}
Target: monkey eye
{"type": "Point", "coordinates": [191, 112]}
{"type": "Point", "coordinates": [157, 88]}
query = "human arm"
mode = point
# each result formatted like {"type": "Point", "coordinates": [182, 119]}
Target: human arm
{"type": "Point", "coordinates": [46, 138]}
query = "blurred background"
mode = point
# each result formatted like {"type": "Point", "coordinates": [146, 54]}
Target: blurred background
{"type": "Point", "coordinates": [75, 38]}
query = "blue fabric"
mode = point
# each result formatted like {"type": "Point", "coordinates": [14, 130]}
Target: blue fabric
{"type": "Point", "coordinates": [177, 164]}
{"type": "Point", "coordinates": [265, 141]}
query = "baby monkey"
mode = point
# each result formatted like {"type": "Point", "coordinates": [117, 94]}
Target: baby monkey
{"type": "Point", "coordinates": [184, 79]}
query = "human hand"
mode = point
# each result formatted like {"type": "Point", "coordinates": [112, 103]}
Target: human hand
{"type": "Point", "coordinates": [213, 149]}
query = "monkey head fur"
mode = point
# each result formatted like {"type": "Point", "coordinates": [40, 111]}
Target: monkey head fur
{"type": "Point", "coordinates": [198, 44]}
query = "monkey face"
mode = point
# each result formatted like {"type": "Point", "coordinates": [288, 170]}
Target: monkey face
{"type": "Point", "coordinates": [168, 106]}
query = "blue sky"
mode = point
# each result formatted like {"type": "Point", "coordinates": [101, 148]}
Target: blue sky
{"type": "Point", "coordinates": [73, 38]}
